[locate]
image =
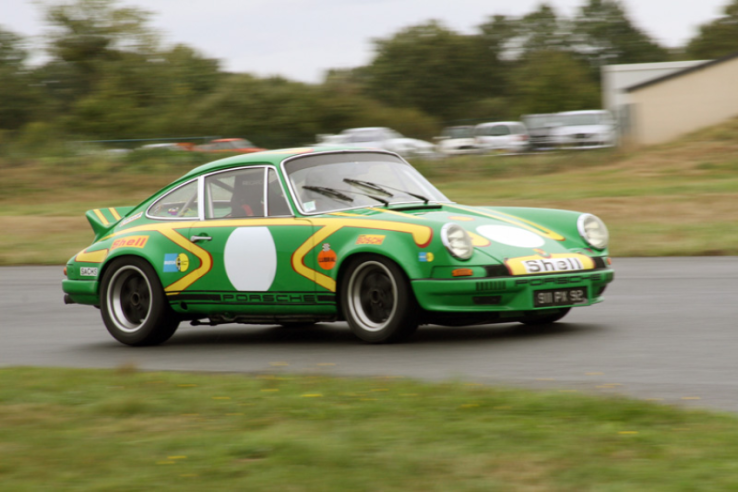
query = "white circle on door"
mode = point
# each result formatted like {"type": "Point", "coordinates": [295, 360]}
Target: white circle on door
{"type": "Point", "coordinates": [250, 259]}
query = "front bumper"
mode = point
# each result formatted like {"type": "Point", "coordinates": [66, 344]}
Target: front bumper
{"type": "Point", "coordinates": [504, 294]}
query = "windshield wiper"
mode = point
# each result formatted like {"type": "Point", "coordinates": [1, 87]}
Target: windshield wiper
{"type": "Point", "coordinates": [329, 192]}
{"type": "Point", "coordinates": [367, 184]}
{"type": "Point", "coordinates": [381, 189]}
{"type": "Point", "coordinates": [332, 192]}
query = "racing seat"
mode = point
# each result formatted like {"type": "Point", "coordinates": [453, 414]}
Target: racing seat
{"type": "Point", "coordinates": [246, 200]}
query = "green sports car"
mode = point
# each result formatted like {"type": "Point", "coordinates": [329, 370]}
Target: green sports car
{"type": "Point", "coordinates": [300, 236]}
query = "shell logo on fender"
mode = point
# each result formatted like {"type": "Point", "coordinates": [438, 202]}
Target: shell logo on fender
{"type": "Point", "coordinates": [555, 263]}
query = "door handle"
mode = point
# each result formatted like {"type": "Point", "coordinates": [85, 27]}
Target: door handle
{"type": "Point", "coordinates": [195, 239]}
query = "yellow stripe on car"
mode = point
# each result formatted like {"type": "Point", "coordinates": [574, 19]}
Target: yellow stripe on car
{"type": "Point", "coordinates": [100, 216]}
{"type": "Point", "coordinates": [511, 219]}
{"type": "Point", "coordinates": [115, 213]}
{"type": "Point", "coordinates": [421, 234]}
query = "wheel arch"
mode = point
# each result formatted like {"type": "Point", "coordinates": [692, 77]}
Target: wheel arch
{"type": "Point", "coordinates": [349, 259]}
{"type": "Point", "coordinates": [112, 259]}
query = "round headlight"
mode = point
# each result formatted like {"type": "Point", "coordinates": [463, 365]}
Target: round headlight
{"type": "Point", "coordinates": [593, 230]}
{"type": "Point", "coordinates": [457, 241]}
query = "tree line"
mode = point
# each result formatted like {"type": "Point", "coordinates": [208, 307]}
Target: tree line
{"type": "Point", "coordinates": [107, 75]}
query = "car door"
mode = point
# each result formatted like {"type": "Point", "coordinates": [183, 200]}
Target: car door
{"type": "Point", "coordinates": [251, 236]}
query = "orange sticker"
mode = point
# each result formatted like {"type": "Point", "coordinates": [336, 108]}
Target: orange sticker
{"type": "Point", "coordinates": [130, 242]}
{"type": "Point", "coordinates": [376, 239]}
{"type": "Point", "coordinates": [327, 257]}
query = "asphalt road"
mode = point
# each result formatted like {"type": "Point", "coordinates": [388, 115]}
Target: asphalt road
{"type": "Point", "coordinates": [667, 331]}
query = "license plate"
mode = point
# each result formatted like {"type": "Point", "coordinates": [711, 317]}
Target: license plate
{"type": "Point", "coordinates": [560, 297]}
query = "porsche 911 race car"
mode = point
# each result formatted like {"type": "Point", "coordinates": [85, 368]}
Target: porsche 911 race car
{"type": "Point", "coordinates": [300, 236]}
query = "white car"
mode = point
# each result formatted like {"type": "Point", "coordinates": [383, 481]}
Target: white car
{"type": "Point", "coordinates": [457, 140]}
{"type": "Point", "coordinates": [382, 138]}
{"type": "Point", "coordinates": [585, 130]}
{"type": "Point", "coordinates": [502, 137]}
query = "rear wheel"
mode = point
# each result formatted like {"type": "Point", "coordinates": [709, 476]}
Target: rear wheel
{"type": "Point", "coordinates": [377, 300]}
{"type": "Point", "coordinates": [546, 318]}
{"type": "Point", "coordinates": [133, 305]}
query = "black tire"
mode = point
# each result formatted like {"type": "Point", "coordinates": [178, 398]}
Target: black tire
{"type": "Point", "coordinates": [546, 319]}
{"type": "Point", "coordinates": [133, 305]}
{"type": "Point", "coordinates": [377, 300]}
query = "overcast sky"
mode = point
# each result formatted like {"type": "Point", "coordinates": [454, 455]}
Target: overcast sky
{"type": "Point", "coordinates": [301, 39]}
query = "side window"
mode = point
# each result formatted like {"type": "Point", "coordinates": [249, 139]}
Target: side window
{"type": "Point", "coordinates": [181, 202]}
{"type": "Point", "coordinates": [235, 194]}
{"type": "Point", "coordinates": [277, 203]}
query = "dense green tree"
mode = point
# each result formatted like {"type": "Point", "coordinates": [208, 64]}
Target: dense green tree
{"type": "Point", "coordinates": [717, 38]}
{"type": "Point", "coordinates": [86, 36]}
{"type": "Point", "coordinates": [20, 100]}
{"type": "Point", "coordinates": [552, 81]}
{"type": "Point", "coordinates": [605, 35]}
{"type": "Point", "coordinates": [433, 69]}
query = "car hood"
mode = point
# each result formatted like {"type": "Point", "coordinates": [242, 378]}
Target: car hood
{"type": "Point", "coordinates": [498, 233]}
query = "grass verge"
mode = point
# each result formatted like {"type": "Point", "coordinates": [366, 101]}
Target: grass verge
{"type": "Point", "coordinates": [67, 429]}
{"type": "Point", "coordinates": [669, 200]}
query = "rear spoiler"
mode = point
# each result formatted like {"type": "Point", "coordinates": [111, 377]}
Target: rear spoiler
{"type": "Point", "coordinates": [103, 219]}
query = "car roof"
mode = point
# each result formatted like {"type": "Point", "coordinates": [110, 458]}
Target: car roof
{"type": "Point", "coordinates": [587, 111]}
{"type": "Point", "coordinates": [500, 123]}
{"type": "Point", "coordinates": [273, 157]}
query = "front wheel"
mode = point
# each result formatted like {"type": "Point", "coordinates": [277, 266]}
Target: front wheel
{"type": "Point", "coordinates": [133, 305]}
{"type": "Point", "coordinates": [377, 300]}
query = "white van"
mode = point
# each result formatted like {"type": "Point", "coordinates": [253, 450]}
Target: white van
{"type": "Point", "coordinates": [502, 136]}
{"type": "Point", "coordinates": [584, 129]}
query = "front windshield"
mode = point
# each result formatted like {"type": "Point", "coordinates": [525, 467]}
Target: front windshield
{"type": "Point", "coordinates": [330, 182]}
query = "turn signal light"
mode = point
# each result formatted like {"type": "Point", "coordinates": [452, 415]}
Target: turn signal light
{"type": "Point", "coordinates": [65, 271]}
{"type": "Point", "coordinates": [462, 272]}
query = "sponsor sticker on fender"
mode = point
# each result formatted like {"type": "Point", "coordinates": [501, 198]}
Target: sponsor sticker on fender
{"type": "Point", "coordinates": [555, 263]}
{"type": "Point", "coordinates": [130, 219]}
{"type": "Point", "coordinates": [88, 272]}
{"type": "Point", "coordinates": [130, 242]}
{"type": "Point", "coordinates": [375, 239]}
{"type": "Point", "coordinates": [176, 262]}
{"type": "Point", "coordinates": [327, 257]}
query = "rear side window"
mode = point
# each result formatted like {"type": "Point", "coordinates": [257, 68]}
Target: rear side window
{"type": "Point", "coordinates": [179, 203]}
{"type": "Point", "coordinates": [494, 131]}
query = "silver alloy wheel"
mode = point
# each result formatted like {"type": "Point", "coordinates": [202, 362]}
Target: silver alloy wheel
{"type": "Point", "coordinates": [129, 298]}
{"type": "Point", "coordinates": [372, 296]}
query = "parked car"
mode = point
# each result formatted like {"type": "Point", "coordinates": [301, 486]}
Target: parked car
{"type": "Point", "coordinates": [585, 129]}
{"type": "Point", "coordinates": [384, 138]}
{"type": "Point", "coordinates": [540, 128]}
{"type": "Point", "coordinates": [308, 235]}
{"type": "Point", "coordinates": [502, 136]}
{"type": "Point", "coordinates": [233, 145]}
{"type": "Point", "coordinates": [457, 140]}
{"type": "Point", "coordinates": [174, 146]}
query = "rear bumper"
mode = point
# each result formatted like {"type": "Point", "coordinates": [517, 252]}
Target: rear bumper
{"type": "Point", "coordinates": [504, 294]}
{"type": "Point", "coordinates": [81, 291]}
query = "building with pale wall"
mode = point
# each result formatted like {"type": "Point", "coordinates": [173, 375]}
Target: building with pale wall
{"type": "Point", "coordinates": [682, 102]}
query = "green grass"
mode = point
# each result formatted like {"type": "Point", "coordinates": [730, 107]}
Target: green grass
{"type": "Point", "coordinates": [667, 200]}
{"type": "Point", "coordinates": [65, 429]}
